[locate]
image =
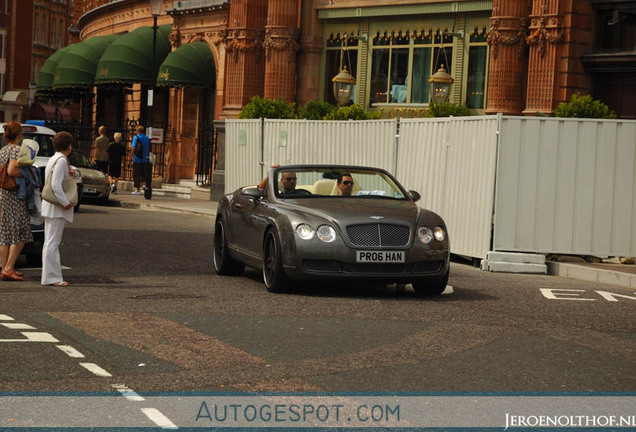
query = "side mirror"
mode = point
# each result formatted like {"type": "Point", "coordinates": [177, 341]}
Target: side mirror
{"type": "Point", "coordinates": [252, 192]}
{"type": "Point", "coordinates": [415, 195]}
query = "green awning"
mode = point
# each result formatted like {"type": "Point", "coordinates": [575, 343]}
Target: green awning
{"type": "Point", "coordinates": [128, 59]}
{"type": "Point", "coordinates": [47, 72]}
{"type": "Point", "coordinates": [190, 65]}
{"type": "Point", "coordinates": [77, 68]}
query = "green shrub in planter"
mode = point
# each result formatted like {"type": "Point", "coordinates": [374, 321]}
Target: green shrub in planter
{"type": "Point", "coordinates": [268, 108]}
{"type": "Point", "coordinates": [584, 107]}
{"type": "Point", "coordinates": [352, 112]}
{"type": "Point", "coordinates": [315, 110]}
{"type": "Point", "coordinates": [448, 109]}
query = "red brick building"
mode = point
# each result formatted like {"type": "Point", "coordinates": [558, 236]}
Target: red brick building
{"type": "Point", "coordinates": [512, 56]}
{"type": "Point", "coordinates": [30, 31]}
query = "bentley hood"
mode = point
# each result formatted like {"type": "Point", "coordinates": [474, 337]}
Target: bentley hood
{"type": "Point", "coordinates": [344, 212]}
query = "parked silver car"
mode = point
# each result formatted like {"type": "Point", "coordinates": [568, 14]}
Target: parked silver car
{"type": "Point", "coordinates": [96, 184]}
{"type": "Point", "coordinates": [333, 222]}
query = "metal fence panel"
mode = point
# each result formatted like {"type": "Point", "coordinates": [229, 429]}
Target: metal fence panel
{"type": "Point", "coordinates": [366, 143]}
{"type": "Point", "coordinates": [243, 153]}
{"type": "Point", "coordinates": [566, 186]}
{"type": "Point", "coordinates": [451, 162]}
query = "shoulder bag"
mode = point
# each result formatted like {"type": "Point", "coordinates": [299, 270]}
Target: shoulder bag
{"type": "Point", "coordinates": [69, 186]}
{"type": "Point", "coordinates": [7, 181]}
{"type": "Point", "coordinates": [139, 148]}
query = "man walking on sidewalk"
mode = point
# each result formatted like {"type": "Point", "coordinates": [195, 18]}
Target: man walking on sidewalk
{"type": "Point", "coordinates": [141, 149]}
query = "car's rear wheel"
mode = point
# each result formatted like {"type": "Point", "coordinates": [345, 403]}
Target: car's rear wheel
{"type": "Point", "coordinates": [224, 264]}
{"type": "Point", "coordinates": [430, 286]}
{"type": "Point", "coordinates": [273, 273]}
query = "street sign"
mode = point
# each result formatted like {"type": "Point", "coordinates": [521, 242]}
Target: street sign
{"type": "Point", "coordinates": [156, 135]}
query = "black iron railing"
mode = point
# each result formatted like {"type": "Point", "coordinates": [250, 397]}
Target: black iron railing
{"type": "Point", "coordinates": [207, 157]}
{"type": "Point", "coordinates": [85, 134]}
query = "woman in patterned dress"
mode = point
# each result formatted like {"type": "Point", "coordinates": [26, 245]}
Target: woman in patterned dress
{"type": "Point", "coordinates": [15, 225]}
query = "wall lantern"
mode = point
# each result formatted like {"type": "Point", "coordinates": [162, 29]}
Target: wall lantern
{"type": "Point", "coordinates": [343, 82]}
{"type": "Point", "coordinates": [441, 83]}
{"type": "Point", "coordinates": [343, 86]}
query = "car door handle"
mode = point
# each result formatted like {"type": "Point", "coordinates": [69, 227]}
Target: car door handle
{"type": "Point", "coordinates": [237, 205]}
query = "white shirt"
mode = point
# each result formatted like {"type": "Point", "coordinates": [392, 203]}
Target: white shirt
{"type": "Point", "coordinates": [60, 172]}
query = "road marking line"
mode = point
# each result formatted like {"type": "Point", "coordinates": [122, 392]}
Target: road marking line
{"type": "Point", "coordinates": [70, 351]}
{"type": "Point", "coordinates": [18, 326]}
{"type": "Point", "coordinates": [128, 393]}
{"type": "Point", "coordinates": [39, 337]}
{"type": "Point", "coordinates": [5, 318]}
{"type": "Point", "coordinates": [33, 337]}
{"type": "Point", "coordinates": [92, 367]}
{"type": "Point", "coordinates": [158, 418]}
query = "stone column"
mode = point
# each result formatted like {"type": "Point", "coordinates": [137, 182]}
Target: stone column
{"type": "Point", "coordinates": [545, 37]}
{"type": "Point", "coordinates": [308, 59]}
{"type": "Point", "coordinates": [244, 63]}
{"type": "Point", "coordinates": [508, 63]}
{"type": "Point", "coordinates": [281, 34]}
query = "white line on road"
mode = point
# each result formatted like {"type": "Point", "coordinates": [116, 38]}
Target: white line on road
{"type": "Point", "coordinates": [158, 418]}
{"type": "Point", "coordinates": [70, 351]}
{"type": "Point", "coordinates": [18, 326]}
{"type": "Point", "coordinates": [92, 367]}
{"type": "Point", "coordinates": [5, 318]}
{"type": "Point", "coordinates": [33, 337]}
{"type": "Point", "coordinates": [128, 393]}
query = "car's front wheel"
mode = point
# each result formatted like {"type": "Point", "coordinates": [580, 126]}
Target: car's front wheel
{"type": "Point", "coordinates": [273, 273]}
{"type": "Point", "coordinates": [430, 286]}
{"type": "Point", "coordinates": [224, 264]}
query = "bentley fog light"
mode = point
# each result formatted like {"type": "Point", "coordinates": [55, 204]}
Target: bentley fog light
{"type": "Point", "coordinates": [439, 233]}
{"type": "Point", "coordinates": [305, 232]}
{"type": "Point", "coordinates": [425, 234]}
{"type": "Point", "coordinates": [326, 233]}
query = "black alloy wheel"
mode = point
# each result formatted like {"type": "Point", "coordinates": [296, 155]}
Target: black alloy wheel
{"type": "Point", "coordinates": [224, 264]}
{"type": "Point", "coordinates": [273, 273]}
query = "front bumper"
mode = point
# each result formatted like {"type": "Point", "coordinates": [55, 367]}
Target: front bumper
{"type": "Point", "coordinates": [315, 259]}
{"type": "Point", "coordinates": [96, 191]}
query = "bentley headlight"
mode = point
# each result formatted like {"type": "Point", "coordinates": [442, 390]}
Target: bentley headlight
{"type": "Point", "coordinates": [326, 233]}
{"type": "Point", "coordinates": [425, 234]}
{"type": "Point", "coordinates": [305, 232]}
{"type": "Point", "coordinates": [439, 233]}
{"type": "Point", "coordinates": [78, 175]}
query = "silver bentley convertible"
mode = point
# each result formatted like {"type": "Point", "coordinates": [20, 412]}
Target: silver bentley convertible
{"type": "Point", "coordinates": [331, 222]}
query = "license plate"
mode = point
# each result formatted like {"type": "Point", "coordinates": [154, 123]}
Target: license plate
{"type": "Point", "coordinates": [380, 256]}
{"type": "Point", "coordinates": [90, 190]}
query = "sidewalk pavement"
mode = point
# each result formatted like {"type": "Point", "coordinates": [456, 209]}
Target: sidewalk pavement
{"type": "Point", "coordinates": [623, 275]}
{"type": "Point", "coordinates": [162, 203]}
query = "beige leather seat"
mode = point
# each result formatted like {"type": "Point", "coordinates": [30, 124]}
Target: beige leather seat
{"type": "Point", "coordinates": [324, 187]}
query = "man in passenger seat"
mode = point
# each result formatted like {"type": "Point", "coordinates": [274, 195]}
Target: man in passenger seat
{"type": "Point", "coordinates": [345, 184]}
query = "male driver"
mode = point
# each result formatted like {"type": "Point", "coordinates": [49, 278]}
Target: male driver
{"type": "Point", "coordinates": [288, 180]}
{"type": "Point", "coordinates": [345, 184]}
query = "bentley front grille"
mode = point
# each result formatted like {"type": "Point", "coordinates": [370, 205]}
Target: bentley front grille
{"type": "Point", "coordinates": [378, 235]}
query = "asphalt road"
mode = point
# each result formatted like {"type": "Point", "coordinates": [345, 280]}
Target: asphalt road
{"type": "Point", "coordinates": [145, 310]}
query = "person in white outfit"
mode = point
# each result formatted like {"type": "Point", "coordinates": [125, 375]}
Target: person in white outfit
{"type": "Point", "coordinates": [56, 216]}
